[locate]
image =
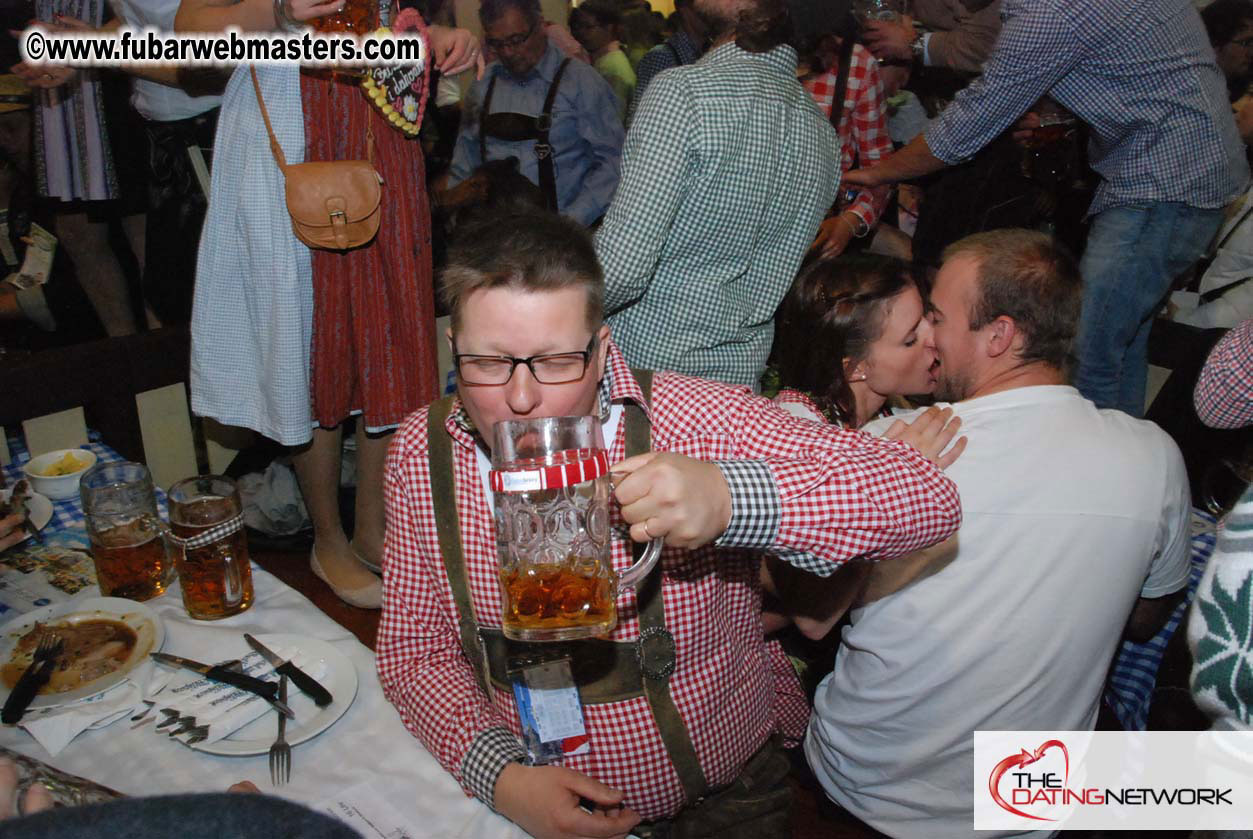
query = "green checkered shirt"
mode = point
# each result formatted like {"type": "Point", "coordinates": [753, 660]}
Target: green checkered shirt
{"type": "Point", "coordinates": [727, 171]}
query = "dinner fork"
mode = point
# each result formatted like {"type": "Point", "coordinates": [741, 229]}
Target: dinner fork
{"type": "Point", "coordinates": [34, 677]}
{"type": "Point", "coordinates": [280, 752]}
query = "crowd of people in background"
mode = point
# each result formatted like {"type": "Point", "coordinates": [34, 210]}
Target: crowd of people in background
{"type": "Point", "coordinates": [810, 221]}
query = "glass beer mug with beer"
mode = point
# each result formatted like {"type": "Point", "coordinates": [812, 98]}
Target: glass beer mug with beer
{"type": "Point", "coordinates": [207, 524]}
{"type": "Point", "coordinates": [127, 542]}
{"type": "Point", "coordinates": [551, 485]}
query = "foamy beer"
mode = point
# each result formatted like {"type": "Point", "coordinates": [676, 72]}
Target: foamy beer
{"type": "Point", "coordinates": [550, 479]}
{"type": "Point", "coordinates": [207, 525]}
{"type": "Point", "coordinates": [358, 17]}
{"type": "Point", "coordinates": [127, 544]}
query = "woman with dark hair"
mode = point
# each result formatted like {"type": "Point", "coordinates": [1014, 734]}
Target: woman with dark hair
{"type": "Point", "coordinates": [851, 334]}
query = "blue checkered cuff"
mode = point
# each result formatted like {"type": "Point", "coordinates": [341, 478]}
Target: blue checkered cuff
{"type": "Point", "coordinates": [487, 757]}
{"type": "Point", "coordinates": [755, 508]}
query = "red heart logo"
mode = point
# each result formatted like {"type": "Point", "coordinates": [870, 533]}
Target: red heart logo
{"type": "Point", "coordinates": [1024, 758]}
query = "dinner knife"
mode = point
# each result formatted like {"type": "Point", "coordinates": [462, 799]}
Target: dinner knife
{"type": "Point", "coordinates": [320, 695]}
{"type": "Point", "coordinates": [219, 673]}
{"type": "Point", "coordinates": [28, 684]}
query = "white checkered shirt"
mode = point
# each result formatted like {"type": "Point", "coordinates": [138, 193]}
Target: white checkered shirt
{"type": "Point", "coordinates": [727, 171]}
{"type": "Point", "coordinates": [829, 495]}
{"type": "Point", "coordinates": [1141, 73]}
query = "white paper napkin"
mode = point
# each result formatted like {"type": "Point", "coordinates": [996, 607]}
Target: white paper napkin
{"type": "Point", "coordinates": [54, 728]}
{"type": "Point", "coordinates": [225, 709]}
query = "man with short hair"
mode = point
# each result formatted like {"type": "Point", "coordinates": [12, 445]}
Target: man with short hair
{"type": "Point", "coordinates": [1229, 25]}
{"type": "Point", "coordinates": [1075, 530]}
{"type": "Point", "coordinates": [556, 115]}
{"type": "Point", "coordinates": [727, 171]}
{"type": "Point", "coordinates": [1141, 74]}
{"type": "Point", "coordinates": [686, 734]}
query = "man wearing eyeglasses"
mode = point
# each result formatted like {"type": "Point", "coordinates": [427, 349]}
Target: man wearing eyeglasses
{"type": "Point", "coordinates": [688, 744]}
{"type": "Point", "coordinates": [556, 115]}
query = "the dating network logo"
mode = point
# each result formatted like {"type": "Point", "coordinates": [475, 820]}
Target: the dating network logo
{"type": "Point", "coordinates": [1029, 788]}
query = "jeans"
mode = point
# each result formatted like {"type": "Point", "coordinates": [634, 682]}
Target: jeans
{"type": "Point", "coordinates": [1133, 255]}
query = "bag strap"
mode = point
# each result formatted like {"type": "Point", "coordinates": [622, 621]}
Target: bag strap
{"type": "Point", "coordinates": [544, 151]}
{"type": "Point", "coordinates": [275, 148]}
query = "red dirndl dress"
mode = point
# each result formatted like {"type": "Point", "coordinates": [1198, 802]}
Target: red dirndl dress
{"type": "Point", "coordinates": [373, 346]}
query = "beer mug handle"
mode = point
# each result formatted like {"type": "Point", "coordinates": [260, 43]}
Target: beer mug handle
{"type": "Point", "coordinates": [635, 575]}
{"type": "Point", "coordinates": [233, 584]}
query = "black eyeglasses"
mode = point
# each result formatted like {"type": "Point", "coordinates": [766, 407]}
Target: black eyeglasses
{"type": "Point", "coordinates": [1244, 43]}
{"type": "Point", "coordinates": [512, 42]}
{"type": "Point", "coordinates": [551, 369]}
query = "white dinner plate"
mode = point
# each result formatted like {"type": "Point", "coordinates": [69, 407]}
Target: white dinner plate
{"type": "Point", "coordinates": [340, 678]}
{"type": "Point", "coordinates": [40, 509]}
{"type": "Point", "coordinates": [137, 616]}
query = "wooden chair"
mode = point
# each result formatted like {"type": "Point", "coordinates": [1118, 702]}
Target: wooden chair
{"type": "Point", "coordinates": [133, 390]}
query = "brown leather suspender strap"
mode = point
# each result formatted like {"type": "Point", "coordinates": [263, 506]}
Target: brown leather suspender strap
{"type": "Point", "coordinates": [638, 667]}
{"type": "Point", "coordinates": [483, 112]}
{"type": "Point", "coordinates": [444, 500]}
{"type": "Point", "coordinates": [543, 149]}
{"type": "Point", "coordinates": [542, 124]}
{"type": "Point", "coordinates": [656, 647]}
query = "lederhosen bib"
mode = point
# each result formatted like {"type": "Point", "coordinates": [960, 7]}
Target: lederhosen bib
{"type": "Point", "coordinates": [514, 127]}
{"type": "Point", "coordinates": [604, 671]}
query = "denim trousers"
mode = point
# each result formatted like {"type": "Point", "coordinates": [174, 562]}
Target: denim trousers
{"type": "Point", "coordinates": [1133, 255]}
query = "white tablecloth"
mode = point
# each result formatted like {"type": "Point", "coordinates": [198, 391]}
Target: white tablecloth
{"type": "Point", "coordinates": [368, 744]}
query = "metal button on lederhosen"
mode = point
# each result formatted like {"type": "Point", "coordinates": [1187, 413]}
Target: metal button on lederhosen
{"type": "Point", "coordinates": [515, 128]}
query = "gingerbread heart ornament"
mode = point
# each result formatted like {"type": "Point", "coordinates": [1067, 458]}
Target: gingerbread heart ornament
{"type": "Point", "coordinates": [399, 90]}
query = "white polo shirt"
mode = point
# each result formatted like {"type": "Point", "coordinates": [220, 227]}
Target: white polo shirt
{"type": "Point", "coordinates": [1069, 515]}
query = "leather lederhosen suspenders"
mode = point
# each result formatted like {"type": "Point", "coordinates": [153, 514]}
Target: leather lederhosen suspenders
{"type": "Point", "coordinates": [536, 128]}
{"type": "Point", "coordinates": [605, 671]}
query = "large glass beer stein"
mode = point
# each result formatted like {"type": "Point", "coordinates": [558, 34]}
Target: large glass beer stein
{"type": "Point", "coordinates": [551, 484]}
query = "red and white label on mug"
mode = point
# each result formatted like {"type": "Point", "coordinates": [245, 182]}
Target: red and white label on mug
{"type": "Point", "coordinates": [550, 477]}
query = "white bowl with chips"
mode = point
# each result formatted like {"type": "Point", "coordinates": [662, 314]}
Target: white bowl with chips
{"type": "Point", "coordinates": [56, 473]}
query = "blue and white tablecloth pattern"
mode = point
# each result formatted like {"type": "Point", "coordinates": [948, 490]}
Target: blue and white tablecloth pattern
{"type": "Point", "coordinates": [364, 758]}
{"type": "Point", "coordinates": [67, 514]}
{"type": "Point", "coordinates": [1129, 691]}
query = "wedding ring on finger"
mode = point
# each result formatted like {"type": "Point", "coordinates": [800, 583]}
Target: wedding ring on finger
{"type": "Point", "coordinates": [646, 533]}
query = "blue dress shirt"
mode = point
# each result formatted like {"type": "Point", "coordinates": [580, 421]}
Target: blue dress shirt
{"type": "Point", "coordinates": [1141, 73]}
{"type": "Point", "coordinates": [586, 135]}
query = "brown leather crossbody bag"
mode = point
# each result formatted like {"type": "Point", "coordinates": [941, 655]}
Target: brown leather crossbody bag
{"type": "Point", "coordinates": [333, 204]}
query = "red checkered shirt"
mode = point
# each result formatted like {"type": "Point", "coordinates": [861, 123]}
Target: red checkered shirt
{"type": "Point", "coordinates": [863, 124]}
{"type": "Point", "coordinates": [1224, 392]}
{"type": "Point", "coordinates": [833, 494]}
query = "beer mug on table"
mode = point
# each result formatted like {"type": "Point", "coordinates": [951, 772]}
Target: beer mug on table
{"type": "Point", "coordinates": [551, 485]}
{"type": "Point", "coordinates": [127, 540]}
{"type": "Point", "coordinates": [207, 524]}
